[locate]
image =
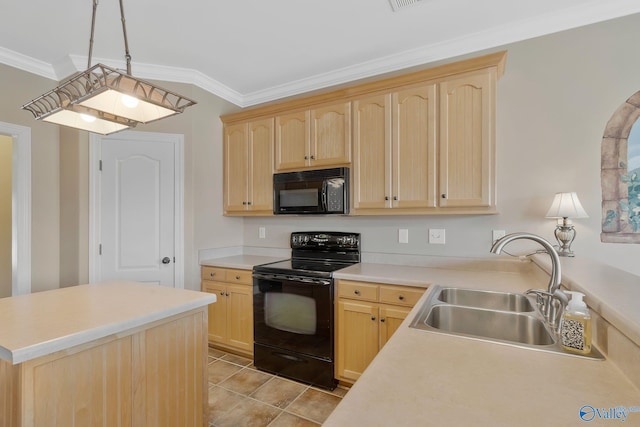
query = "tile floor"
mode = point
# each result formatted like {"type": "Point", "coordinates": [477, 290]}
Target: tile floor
{"type": "Point", "coordinates": [240, 395]}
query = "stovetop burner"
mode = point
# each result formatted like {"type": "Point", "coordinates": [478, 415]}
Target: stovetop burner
{"type": "Point", "coordinates": [317, 254]}
{"type": "Point", "coordinates": [302, 267]}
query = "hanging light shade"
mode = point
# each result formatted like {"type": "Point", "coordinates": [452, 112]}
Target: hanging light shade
{"type": "Point", "coordinates": [105, 100]}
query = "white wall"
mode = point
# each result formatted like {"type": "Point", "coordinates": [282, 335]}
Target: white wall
{"type": "Point", "coordinates": [556, 96]}
{"type": "Point", "coordinates": [18, 87]}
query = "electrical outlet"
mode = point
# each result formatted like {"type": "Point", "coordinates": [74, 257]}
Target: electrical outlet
{"type": "Point", "coordinates": [436, 236]}
{"type": "Point", "coordinates": [403, 235]}
{"type": "Point", "coordinates": [498, 234]}
{"type": "Point", "coordinates": [262, 232]}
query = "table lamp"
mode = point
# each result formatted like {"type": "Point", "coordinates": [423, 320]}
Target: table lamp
{"type": "Point", "coordinates": [565, 206]}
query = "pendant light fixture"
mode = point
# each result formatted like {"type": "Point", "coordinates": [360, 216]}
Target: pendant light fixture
{"type": "Point", "coordinates": [105, 100]}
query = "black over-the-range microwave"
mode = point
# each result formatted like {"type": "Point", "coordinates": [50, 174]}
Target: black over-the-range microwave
{"type": "Point", "coordinates": [313, 192]}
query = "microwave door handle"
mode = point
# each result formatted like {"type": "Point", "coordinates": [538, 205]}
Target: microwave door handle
{"type": "Point", "coordinates": [324, 195]}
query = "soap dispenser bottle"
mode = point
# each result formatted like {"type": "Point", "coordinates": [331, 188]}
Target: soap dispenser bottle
{"type": "Point", "coordinates": [575, 327]}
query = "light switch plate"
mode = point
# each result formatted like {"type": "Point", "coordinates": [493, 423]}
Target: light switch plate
{"type": "Point", "coordinates": [403, 235]}
{"type": "Point", "coordinates": [262, 233]}
{"type": "Point", "coordinates": [436, 236]}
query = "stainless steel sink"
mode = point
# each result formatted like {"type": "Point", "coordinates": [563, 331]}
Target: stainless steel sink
{"type": "Point", "coordinates": [501, 325]}
{"type": "Point", "coordinates": [505, 301]}
{"type": "Point", "coordinates": [500, 317]}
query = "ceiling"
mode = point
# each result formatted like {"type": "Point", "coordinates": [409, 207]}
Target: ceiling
{"type": "Point", "coordinates": [253, 51]}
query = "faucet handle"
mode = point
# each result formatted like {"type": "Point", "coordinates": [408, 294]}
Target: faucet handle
{"type": "Point", "coordinates": [541, 297]}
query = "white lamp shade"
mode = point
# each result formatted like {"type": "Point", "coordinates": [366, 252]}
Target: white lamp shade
{"type": "Point", "coordinates": [74, 119]}
{"type": "Point", "coordinates": [566, 205]}
{"type": "Point", "coordinates": [111, 101]}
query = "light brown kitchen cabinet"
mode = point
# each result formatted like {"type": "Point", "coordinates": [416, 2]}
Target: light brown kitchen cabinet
{"type": "Point", "coordinates": [467, 141]}
{"type": "Point", "coordinates": [423, 143]}
{"type": "Point", "coordinates": [248, 168]}
{"type": "Point", "coordinates": [231, 317]}
{"type": "Point", "coordinates": [395, 133]}
{"type": "Point", "coordinates": [314, 138]}
{"type": "Point", "coordinates": [367, 315]}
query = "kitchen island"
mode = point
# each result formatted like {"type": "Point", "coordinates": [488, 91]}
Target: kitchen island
{"type": "Point", "coordinates": [116, 353]}
{"type": "Point", "coordinates": [428, 378]}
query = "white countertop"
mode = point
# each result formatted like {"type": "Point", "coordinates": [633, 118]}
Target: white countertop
{"type": "Point", "coordinates": [243, 262]}
{"type": "Point", "coordinates": [509, 278]}
{"type": "Point", "coordinates": [428, 378]}
{"type": "Point", "coordinates": [612, 292]}
{"type": "Point", "coordinates": [42, 323]}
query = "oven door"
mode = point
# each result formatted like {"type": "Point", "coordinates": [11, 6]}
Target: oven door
{"type": "Point", "coordinates": [294, 313]}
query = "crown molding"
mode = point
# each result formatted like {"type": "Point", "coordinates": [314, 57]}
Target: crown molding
{"type": "Point", "coordinates": [26, 63]}
{"type": "Point", "coordinates": [577, 16]}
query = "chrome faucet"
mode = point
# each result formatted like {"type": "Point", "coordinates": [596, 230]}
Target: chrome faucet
{"type": "Point", "coordinates": [551, 310]}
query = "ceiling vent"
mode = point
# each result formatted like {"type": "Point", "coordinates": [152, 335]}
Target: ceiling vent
{"type": "Point", "coordinates": [401, 4]}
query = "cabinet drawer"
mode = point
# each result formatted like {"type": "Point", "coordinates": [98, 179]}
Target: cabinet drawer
{"type": "Point", "coordinates": [239, 276]}
{"type": "Point", "coordinates": [400, 295]}
{"type": "Point", "coordinates": [213, 287]}
{"type": "Point", "coordinates": [357, 290]}
{"type": "Point", "coordinates": [213, 273]}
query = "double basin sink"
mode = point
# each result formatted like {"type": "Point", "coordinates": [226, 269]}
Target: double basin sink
{"type": "Point", "coordinates": [503, 317]}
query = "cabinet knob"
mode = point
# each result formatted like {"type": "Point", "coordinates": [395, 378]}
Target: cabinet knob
{"type": "Point", "coordinates": [395, 197]}
{"type": "Point", "coordinates": [237, 277]}
{"type": "Point", "coordinates": [444, 196]}
{"type": "Point", "coordinates": [386, 197]}
{"type": "Point", "coordinates": [306, 157]}
{"type": "Point", "coordinates": [313, 157]}
{"type": "Point", "coordinates": [373, 317]}
{"type": "Point", "coordinates": [222, 293]}
{"type": "Point", "coordinates": [382, 319]}
{"type": "Point", "coordinates": [357, 292]}
{"type": "Point", "coordinates": [212, 274]}
{"type": "Point", "coordinates": [244, 203]}
{"type": "Point", "coordinates": [400, 297]}
{"type": "Point", "coordinates": [227, 294]}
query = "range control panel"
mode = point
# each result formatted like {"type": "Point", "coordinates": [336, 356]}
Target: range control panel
{"type": "Point", "coordinates": [325, 240]}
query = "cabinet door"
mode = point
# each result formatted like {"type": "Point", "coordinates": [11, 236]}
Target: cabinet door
{"type": "Point", "coordinates": [414, 147]}
{"type": "Point", "coordinates": [467, 152]}
{"type": "Point", "coordinates": [357, 338]}
{"type": "Point", "coordinates": [261, 165]}
{"type": "Point", "coordinates": [217, 311]}
{"type": "Point", "coordinates": [390, 319]}
{"type": "Point", "coordinates": [372, 152]}
{"type": "Point", "coordinates": [235, 168]}
{"type": "Point", "coordinates": [331, 135]}
{"type": "Point", "coordinates": [292, 140]}
{"type": "Point", "coordinates": [240, 317]}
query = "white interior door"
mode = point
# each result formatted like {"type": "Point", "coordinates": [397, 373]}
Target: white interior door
{"type": "Point", "coordinates": [137, 204]}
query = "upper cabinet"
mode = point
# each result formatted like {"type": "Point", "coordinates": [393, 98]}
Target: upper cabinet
{"type": "Point", "coordinates": [314, 138]}
{"type": "Point", "coordinates": [394, 149]}
{"type": "Point", "coordinates": [467, 141]}
{"type": "Point", "coordinates": [422, 143]}
{"type": "Point", "coordinates": [248, 168]}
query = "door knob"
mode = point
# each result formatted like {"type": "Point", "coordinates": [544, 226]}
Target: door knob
{"type": "Point", "coordinates": [166, 260]}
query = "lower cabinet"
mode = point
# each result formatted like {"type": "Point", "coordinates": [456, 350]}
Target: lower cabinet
{"type": "Point", "coordinates": [367, 315]}
{"type": "Point", "coordinates": [231, 317]}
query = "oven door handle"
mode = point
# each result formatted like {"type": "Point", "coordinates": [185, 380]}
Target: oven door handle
{"type": "Point", "coordinates": [292, 278]}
